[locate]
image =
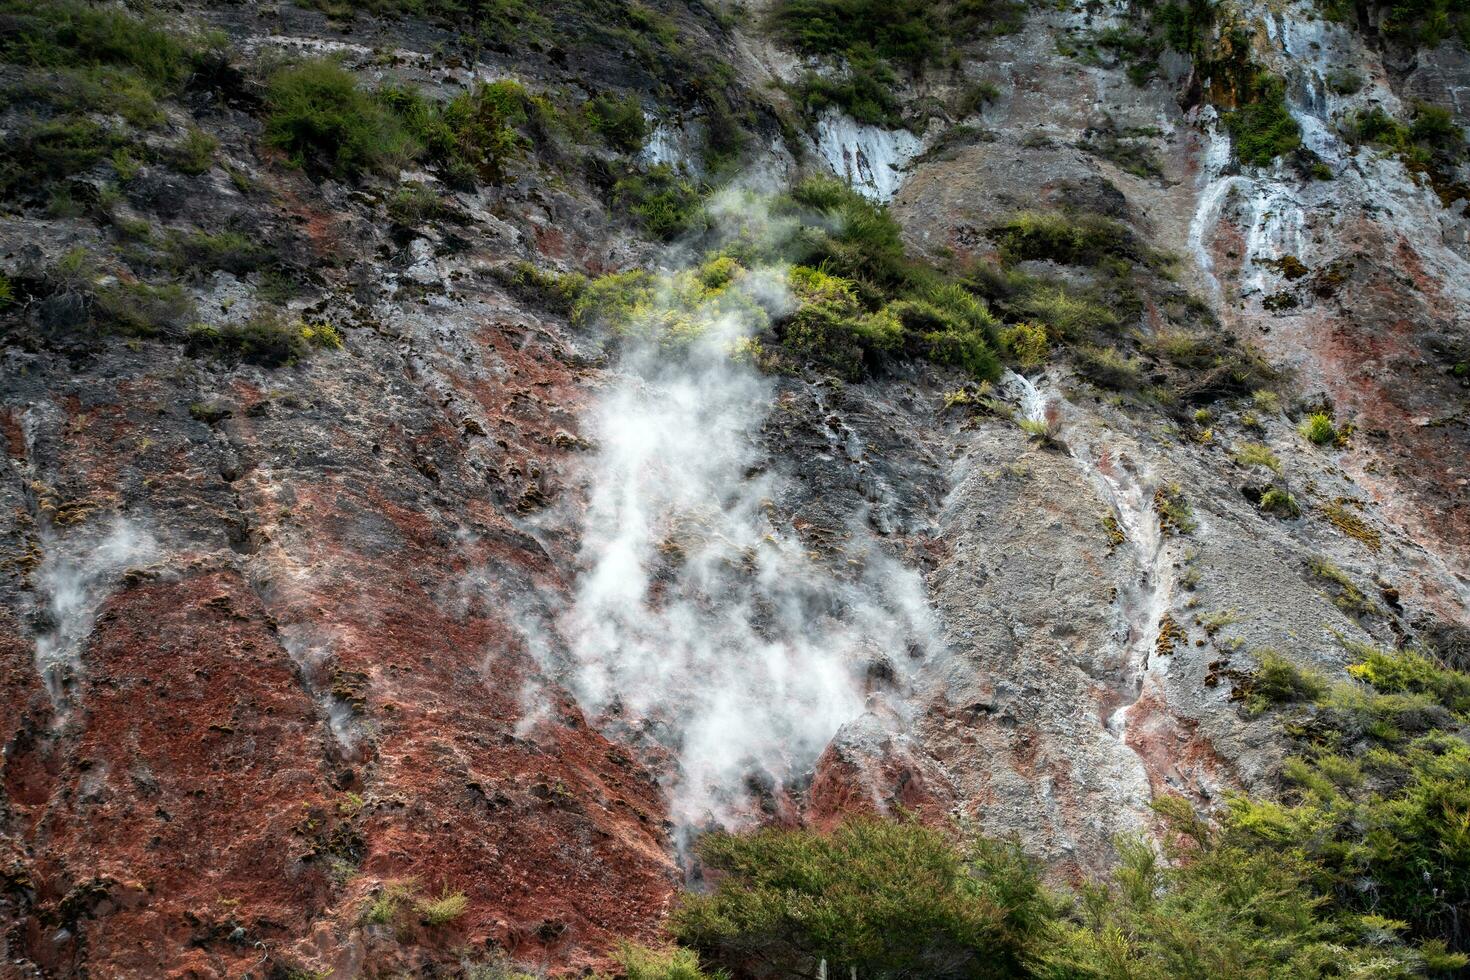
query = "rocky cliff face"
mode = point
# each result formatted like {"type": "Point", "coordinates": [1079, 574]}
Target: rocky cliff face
{"type": "Point", "coordinates": [481, 601]}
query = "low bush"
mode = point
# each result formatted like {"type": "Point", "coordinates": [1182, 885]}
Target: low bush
{"type": "Point", "coordinates": [886, 899]}
{"type": "Point", "coordinates": [194, 154]}
{"type": "Point", "coordinates": [319, 116]}
{"type": "Point", "coordinates": [473, 136]}
{"type": "Point", "coordinates": [1263, 128]}
{"type": "Point", "coordinates": [444, 909]}
{"type": "Point", "coordinates": [1281, 503]}
{"type": "Point", "coordinates": [619, 121]}
{"type": "Point", "coordinates": [1256, 454]}
{"type": "Point", "coordinates": [1080, 238]}
{"type": "Point", "coordinates": [268, 339]}
{"type": "Point", "coordinates": [1317, 428]}
{"type": "Point", "coordinates": [664, 204]}
{"type": "Point", "coordinates": [1279, 681]}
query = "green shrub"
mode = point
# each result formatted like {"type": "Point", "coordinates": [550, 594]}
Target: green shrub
{"type": "Point", "coordinates": [887, 899]}
{"type": "Point", "coordinates": [642, 963]}
{"type": "Point", "coordinates": [65, 34]}
{"type": "Point", "coordinates": [1256, 454]}
{"type": "Point", "coordinates": [40, 153]}
{"type": "Point", "coordinates": [557, 291]}
{"type": "Point", "coordinates": [473, 136]}
{"type": "Point", "coordinates": [1317, 428]}
{"type": "Point", "coordinates": [619, 121]}
{"type": "Point", "coordinates": [1026, 343]}
{"type": "Point", "coordinates": [322, 120]}
{"type": "Point", "coordinates": [268, 338]}
{"type": "Point", "coordinates": [413, 204]}
{"type": "Point", "coordinates": [444, 909]}
{"type": "Point", "coordinates": [1281, 503]}
{"type": "Point", "coordinates": [1068, 316]}
{"type": "Point", "coordinates": [1068, 238]}
{"type": "Point", "coordinates": [1263, 128]}
{"type": "Point", "coordinates": [194, 154]}
{"type": "Point", "coordinates": [849, 236]}
{"type": "Point", "coordinates": [1279, 681]}
{"type": "Point", "coordinates": [198, 252]}
{"type": "Point", "coordinates": [7, 291]}
{"type": "Point", "coordinates": [832, 331]}
{"type": "Point", "coordinates": [1411, 672]}
{"type": "Point", "coordinates": [664, 204]}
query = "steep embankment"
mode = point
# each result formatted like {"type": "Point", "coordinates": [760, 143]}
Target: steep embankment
{"type": "Point", "coordinates": [397, 579]}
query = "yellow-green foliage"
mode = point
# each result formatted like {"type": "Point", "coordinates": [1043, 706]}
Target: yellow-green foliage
{"type": "Point", "coordinates": [447, 907]}
{"type": "Point", "coordinates": [673, 963]}
{"type": "Point", "coordinates": [1280, 502]}
{"type": "Point", "coordinates": [1266, 401]}
{"type": "Point", "coordinates": [1279, 681]}
{"type": "Point", "coordinates": [1256, 454]}
{"type": "Point", "coordinates": [671, 309]}
{"type": "Point", "coordinates": [1318, 428]}
{"type": "Point", "coordinates": [831, 328]}
{"type": "Point", "coordinates": [1411, 672]}
{"type": "Point", "coordinates": [1026, 343]}
{"type": "Point", "coordinates": [1345, 593]}
{"type": "Point", "coordinates": [1066, 315]}
{"type": "Point", "coordinates": [1338, 512]}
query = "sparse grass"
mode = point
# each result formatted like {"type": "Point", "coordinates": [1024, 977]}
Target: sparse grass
{"type": "Point", "coordinates": [1345, 593]}
{"type": "Point", "coordinates": [1281, 503]}
{"type": "Point", "coordinates": [447, 907]}
{"type": "Point", "coordinates": [194, 154]}
{"type": "Point", "coordinates": [1256, 454]}
{"type": "Point", "coordinates": [1175, 514]}
{"type": "Point", "coordinates": [1278, 681]}
{"type": "Point", "coordinates": [1349, 523]}
{"type": "Point", "coordinates": [413, 204]}
{"type": "Point", "coordinates": [1266, 401]}
{"type": "Point", "coordinates": [1317, 428]}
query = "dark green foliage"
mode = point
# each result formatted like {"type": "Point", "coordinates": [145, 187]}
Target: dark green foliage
{"type": "Point", "coordinates": [1279, 681]}
{"type": "Point", "coordinates": [41, 153]}
{"type": "Point", "coordinates": [664, 204]}
{"type": "Point", "coordinates": [888, 899]}
{"type": "Point", "coordinates": [1184, 27]}
{"type": "Point", "coordinates": [908, 32]}
{"type": "Point", "coordinates": [268, 339]}
{"type": "Point", "coordinates": [1134, 156]}
{"type": "Point", "coordinates": [872, 41]}
{"type": "Point", "coordinates": [619, 121]}
{"type": "Point", "coordinates": [1078, 238]}
{"type": "Point", "coordinates": [319, 116]}
{"type": "Point", "coordinates": [73, 60]}
{"type": "Point", "coordinates": [63, 34]}
{"type": "Point", "coordinates": [1416, 23]}
{"type": "Point", "coordinates": [1263, 128]}
{"type": "Point", "coordinates": [1431, 142]}
{"type": "Point", "coordinates": [473, 136]}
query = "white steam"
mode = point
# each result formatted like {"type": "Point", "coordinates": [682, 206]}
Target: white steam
{"type": "Point", "coordinates": [700, 621]}
{"type": "Point", "coordinates": [75, 576]}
